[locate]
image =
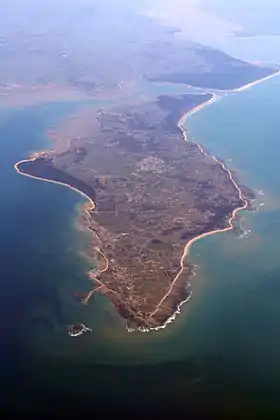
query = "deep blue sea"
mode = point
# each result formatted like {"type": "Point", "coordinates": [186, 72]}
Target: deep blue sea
{"type": "Point", "coordinates": [220, 357]}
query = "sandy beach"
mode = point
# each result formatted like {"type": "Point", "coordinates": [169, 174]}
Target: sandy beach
{"type": "Point", "coordinates": [204, 235]}
{"type": "Point", "coordinates": [16, 167]}
{"type": "Point", "coordinates": [256, 82]}
{"type": "Point", "coordinates": [198, 108]}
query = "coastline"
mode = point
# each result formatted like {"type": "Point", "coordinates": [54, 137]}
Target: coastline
{"type": "Point", "coordinates": [33, 159]}
{"type": "Point", "coordinates": [87, 208]}
{"type": "Point", "coordinates": [91, 207]}
{"type": "Point", "coordinates": [203, 235]}
{"type": "Point", "coordinates": [252, 84]}
{"type": "Point", "coordinates": [196, 109]}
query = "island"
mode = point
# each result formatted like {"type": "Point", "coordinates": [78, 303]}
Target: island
{"type": "Point", "coordinates": [75, 330]}
{"type": "Point", "coordinates": [151, 193]}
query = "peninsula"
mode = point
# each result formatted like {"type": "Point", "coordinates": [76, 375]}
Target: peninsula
{"type": "Point", "coordinates": [151, 194]}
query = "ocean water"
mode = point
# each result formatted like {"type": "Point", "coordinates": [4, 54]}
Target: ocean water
{"type": "Point", "coordinates": [38, 245]}
{"type": "Point", "coordinates": [220, 356]}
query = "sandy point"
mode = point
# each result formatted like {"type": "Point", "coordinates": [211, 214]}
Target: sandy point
{"type": "Point", "coordinates": [32, 159]}
{"type": "Point", "coordinates": [256, 82]}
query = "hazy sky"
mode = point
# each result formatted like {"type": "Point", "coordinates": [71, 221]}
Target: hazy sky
{"type": "Point", "coordinates": [192, 19]}
{"type": "Point", "coordinates": [211, 19]}
{"type": "Point", "coordinates": [205, 21]}
{"type": "Point", "coordinates": [254, 15]}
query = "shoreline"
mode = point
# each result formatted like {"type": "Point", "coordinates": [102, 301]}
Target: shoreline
{"type": "Point", "coordinates": [201, 236]}
{"type": "Point", "coordinates": [252, 84]}
{"type": "Point", "coordinates": [188, 245]}
{"type": "Point", "coordinates": [87, 208]}
{"type": "Point", "coordinates": [223, 92]}
{"type": "Point", "coordinates": [215, 97]}
{"type": "Point", "coordinates": [32, 159]}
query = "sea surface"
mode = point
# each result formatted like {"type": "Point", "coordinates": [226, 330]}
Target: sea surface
{"type": "Point", "coordinates": [222, 354]}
